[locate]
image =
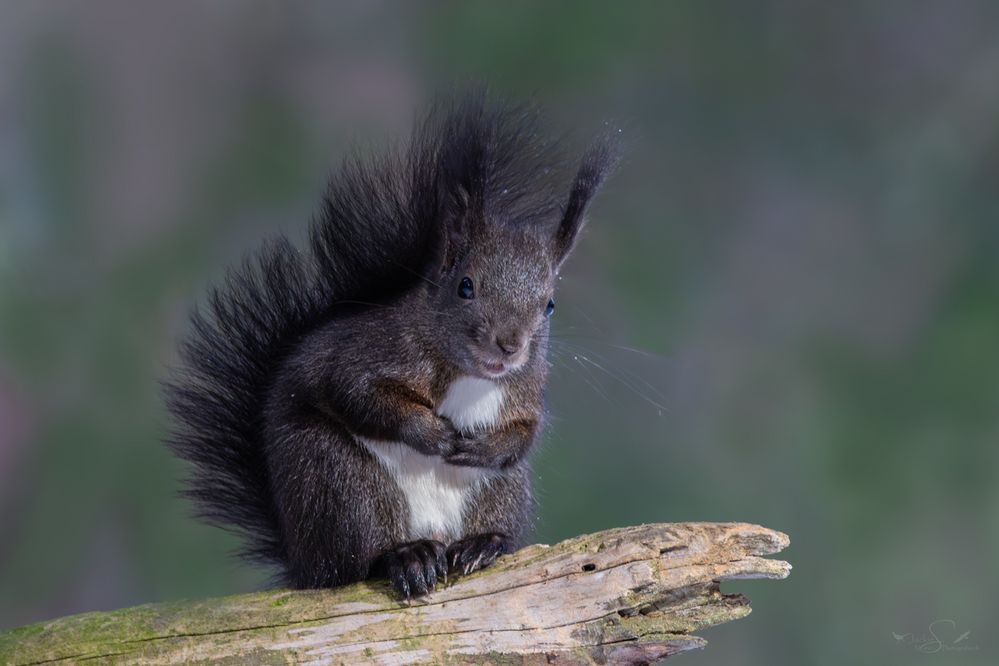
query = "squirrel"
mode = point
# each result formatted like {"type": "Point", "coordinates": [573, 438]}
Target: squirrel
{"type": "Point", "coordinates": [364, 408]}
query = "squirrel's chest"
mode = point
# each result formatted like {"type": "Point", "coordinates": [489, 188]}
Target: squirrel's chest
{"type": "Point", "coordinates": [472, 403]}
{"type": "Point", "coordinates": [437, 493]}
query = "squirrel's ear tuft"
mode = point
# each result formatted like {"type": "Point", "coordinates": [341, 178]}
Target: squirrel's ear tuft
{"type": "Point", "coordinates": [598, 161]}
{"type": "Point", "coordinates": [465, 135]}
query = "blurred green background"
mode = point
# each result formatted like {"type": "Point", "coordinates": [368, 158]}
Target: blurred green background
{"type": "Point", "coordinates": [803, 238]}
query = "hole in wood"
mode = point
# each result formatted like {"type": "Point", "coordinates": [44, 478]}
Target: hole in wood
{"type": "Point", "coordinates": [589, 567]}
{"type": "Point", "coordinates": [672, 549]}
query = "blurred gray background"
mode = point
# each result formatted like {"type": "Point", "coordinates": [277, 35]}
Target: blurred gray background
{"type": "Point", "coordinates": [785, 309]}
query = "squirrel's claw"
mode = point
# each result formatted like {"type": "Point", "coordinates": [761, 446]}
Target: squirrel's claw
{"type": "Point", "coordinates": [476, 552]}
{"type": "Point", "coordinates": [413, 568]}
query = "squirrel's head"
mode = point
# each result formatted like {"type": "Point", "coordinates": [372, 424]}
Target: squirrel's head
{"type": "Point", "coordinates": [492, 304]}
{"type": "Point", "coordinates": [491, 286]}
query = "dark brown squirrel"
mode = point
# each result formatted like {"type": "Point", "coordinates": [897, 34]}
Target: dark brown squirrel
{"type": "Point", "coordinates": [365, 407]}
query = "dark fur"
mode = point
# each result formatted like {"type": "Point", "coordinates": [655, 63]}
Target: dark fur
{"type": "Point", "coordinates": [362, 333]}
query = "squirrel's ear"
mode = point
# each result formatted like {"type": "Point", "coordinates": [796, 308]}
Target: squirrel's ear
{"type": "Point", "coordinates": [597, 162]}
{"type": "Point", "coordinates": [454, 228]}
{"type": "Point", "coordinates": [461, 224]}
{"type": "Point", "coordinates": [438, 247]}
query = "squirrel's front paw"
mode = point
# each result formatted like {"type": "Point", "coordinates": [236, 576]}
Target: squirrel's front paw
{"type": "Point", "coordinates": [477, 450]}
{"type": "Point", "coordinates": [413, 568]}
{"type": "Point", "coordinates": [476, 552]}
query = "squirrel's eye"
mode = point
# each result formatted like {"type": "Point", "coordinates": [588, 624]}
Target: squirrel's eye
{"type": "Point", "coordinates": [550, 308]}
{"type": "Point", "coordinates": [465, 288]}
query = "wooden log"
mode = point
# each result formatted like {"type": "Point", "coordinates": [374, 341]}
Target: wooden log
{"type": "Point", "coordinates": [623, 596]}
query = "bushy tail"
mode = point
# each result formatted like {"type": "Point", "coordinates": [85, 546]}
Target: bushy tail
{"type": "Point", "coordinates": [217, 395]}
{"type": "Point", "coordinates": [364, 245]}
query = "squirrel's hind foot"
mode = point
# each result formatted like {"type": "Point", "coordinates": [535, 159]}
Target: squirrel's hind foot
{"type": "Point", "coordinates": [413, 568]}
{"type": "Point", "coordinates": [476, 552]}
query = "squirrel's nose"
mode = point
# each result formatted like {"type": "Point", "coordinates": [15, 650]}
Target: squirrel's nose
{"type": "Point", "coordinates": [510, 345]}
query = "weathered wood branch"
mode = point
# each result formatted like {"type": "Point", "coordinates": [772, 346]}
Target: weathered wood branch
{"type": "Point", "coordinates": [628, 595]}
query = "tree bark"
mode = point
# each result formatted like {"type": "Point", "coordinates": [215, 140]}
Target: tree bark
{"type": "Point", "coordinates": [623, 596]}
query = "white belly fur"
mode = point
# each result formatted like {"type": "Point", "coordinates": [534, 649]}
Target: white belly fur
{"type": "Point", "coordinates": [436, 491]}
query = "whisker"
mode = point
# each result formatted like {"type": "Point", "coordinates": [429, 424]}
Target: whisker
{"type": "Point", "coordinates": [589, 338]}
{"type": "Point", "coordinates": [587, 318]}
{"type": "Point", "coordinates": [578, 372]}
{"type": "Point", "coordinates": [352, 302]}
{"type": "Point", "coordinates": [628, 373]}
{"type": "Point", "coordinates": [634, 383]}
{"type": "Point", "coordinates": [385, 305]}
{"type": "Point", "coordinates": [595, 383]}
{"type": "Point", "coordinates": [416, 273]}
{"type": "Point", "coordinates": [624, 381]}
